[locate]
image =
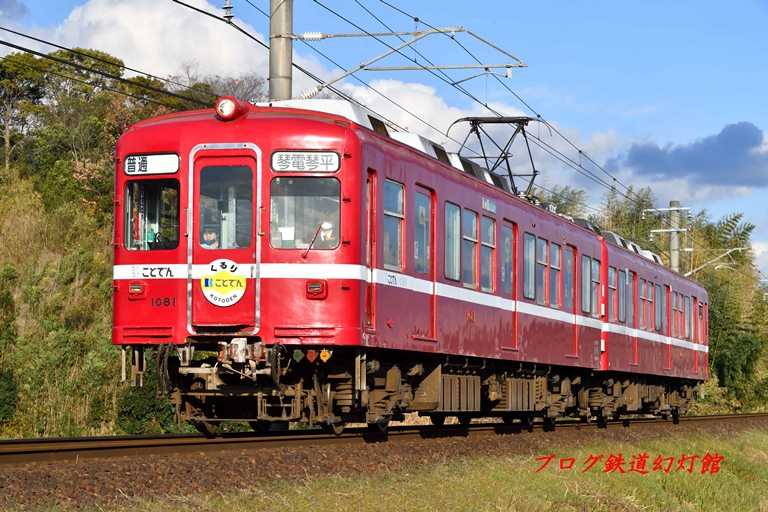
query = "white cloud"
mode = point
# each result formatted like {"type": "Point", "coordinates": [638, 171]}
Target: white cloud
{"type": "Point", "coordinates": [760, 250]}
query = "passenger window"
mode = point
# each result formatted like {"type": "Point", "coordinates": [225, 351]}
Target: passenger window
{"type": "Point", "coordinates": [303, 210]}
{"type": "Point", "coordinates": [530, 266]}
{"type": "Point", "coordinates": [649, 305]}
{"type": "Point", "coordinates": [568, 282]}
{"type": "Point", "coordinates": [554, 275]}
{"type": "Point", "coordinates": [657, 307]}
{"type": "Point", "coordinates": [688, 317]}
{"type": "Point", "coordinates": [151, 215]}
{"type": "Point", "coordinates": [541, 271]}
{"type": "Point", "coordinates": [612, 292]}
{"type": "Point", "coordinates": [487, 246]}
{"type": "Point", "coordinates": [507, 259]}
{"type": "Point", "coordinates": [641, 305]}
{"type": "Point", "coordinates": [393, 225]}
{"type": "Point", "coordinates": [452, 241]}
{"type": "Point", "coordinates": [622, 306]}
{"type": "Point", "coordinates": [226, 211]}
{"type": "Point", "coordinates": [586, 280]}
{"type": "Point", "coordinates": [469, 248]}
{"type": "Point", "coordinates": [422, 231]}
{"type": "Point", "coordinates": [595, 287]}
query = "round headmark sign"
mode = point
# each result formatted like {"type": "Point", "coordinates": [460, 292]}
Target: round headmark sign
{"type": "Point", "coordinates": [223, 284]}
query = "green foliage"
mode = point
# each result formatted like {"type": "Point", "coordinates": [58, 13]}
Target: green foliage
{"type": "Point", "coordinates": [141, 411]}
{"type": "Point", "coordinates": [8, 396]}
{"type": "Point", "coordinates": [568, 200]}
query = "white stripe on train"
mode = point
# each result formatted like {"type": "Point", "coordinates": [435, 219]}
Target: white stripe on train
{"type": "Point", "coordinates": [397, 280]}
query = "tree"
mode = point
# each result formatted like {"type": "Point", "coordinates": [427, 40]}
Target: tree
{"type": "Point", "coordinates": [21, 86]}
{"type": "Point", "coordinates": [568, 200]}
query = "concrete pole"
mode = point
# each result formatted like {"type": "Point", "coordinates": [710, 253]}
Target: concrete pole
{"type": "Point", "coordinates": [674, 236]}
{"type": "Point", "coordinates": [280, 49]}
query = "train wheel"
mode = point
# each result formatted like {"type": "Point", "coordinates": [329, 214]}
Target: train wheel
{"type": "Point", "coordinates": [437, 420]}
{"type": "Point", "coordinates": [464, 419]}
{"type": "Point", "coordinates": [259, 426]}
{"type": "Point", "coordinates": [508, 419]}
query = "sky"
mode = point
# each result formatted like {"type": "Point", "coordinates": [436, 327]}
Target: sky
{"type": "Point", "coordinates": [663, 94]}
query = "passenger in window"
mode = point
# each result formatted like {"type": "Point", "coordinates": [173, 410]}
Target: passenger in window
{"type": "Point", "coordinates": [210, 239]}
{"type": "Point", "coordinates": [326, 239]}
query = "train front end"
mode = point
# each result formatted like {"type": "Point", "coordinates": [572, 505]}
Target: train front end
{"type": "Point", "coordinates": [237, 269]}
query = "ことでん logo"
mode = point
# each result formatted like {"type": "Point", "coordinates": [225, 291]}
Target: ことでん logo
{"type": "Point", "coordinates": [223, 285]}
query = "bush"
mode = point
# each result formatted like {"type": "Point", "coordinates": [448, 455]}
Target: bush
{"type": "Point", "coordinates": [8, 395]}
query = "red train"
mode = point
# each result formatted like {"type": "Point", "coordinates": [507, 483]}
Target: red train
{"type": "Point", "coordinates": [299, 261]}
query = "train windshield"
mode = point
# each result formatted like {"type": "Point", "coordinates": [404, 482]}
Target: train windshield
{"type": "Point", "coordinates": [225, 207]}
{"type": "Point", "coordinates": [152, 215]}
{"type": "Point", "coordinates": [303, 210]}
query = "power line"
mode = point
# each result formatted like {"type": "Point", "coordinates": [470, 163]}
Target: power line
{"type": "Point", "coordinates": [580, 168]}
{"type": "Point", "coordinates": [97, 58]}
{"type": "Point", "coordinates": [515, 94]}
{"type": "Point", "coordinates": [85, 82]}
{"type": "Point", "coordinates": [293, 64]}
{"type": "Point", "coordinates": [101, 73]}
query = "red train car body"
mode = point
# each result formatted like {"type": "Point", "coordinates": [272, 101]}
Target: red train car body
{"type": "Point", "coordinates": [297, 262]}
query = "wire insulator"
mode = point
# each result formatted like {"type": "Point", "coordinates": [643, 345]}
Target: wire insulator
{"type": "Point", "coordinates": [312, 36]}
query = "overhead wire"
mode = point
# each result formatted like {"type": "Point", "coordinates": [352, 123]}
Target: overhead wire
{"type": "Point", "coordinates": [293, 64]}
{"type": "Point", "coordinates": [85, 82]}
{"type": "Point", "coordinates": [99, 59]}
{"type": "Point", "coordinates": [100, 72]}
{"type": "Point", "coordinates": [516, 95]}
{"type": "Point", "coordinates": [549, 149]}
{"type": "Point", "coordinates": [365, 84]}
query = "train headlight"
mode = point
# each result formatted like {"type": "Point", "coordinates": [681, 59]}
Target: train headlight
{"type": "Point", "coordinates": [229, 108]}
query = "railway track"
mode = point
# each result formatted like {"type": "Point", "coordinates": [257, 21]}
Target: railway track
{"type": "Point", "coordinates": [18, 451]}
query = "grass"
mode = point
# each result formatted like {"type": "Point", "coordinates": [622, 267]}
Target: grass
{"type": "Point", "coordinates": [511, 483]}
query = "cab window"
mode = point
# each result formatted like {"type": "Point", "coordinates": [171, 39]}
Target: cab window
{"type": "Point", "coordinates": [152, 215]}
{"type": "Point", "coordinates": [304, 211]}
{"type": "Point", "coordinates": [226, 209]}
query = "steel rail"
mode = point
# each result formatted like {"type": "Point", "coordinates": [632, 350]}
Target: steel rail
{"type": "Point", "coordinates": [20, 451]}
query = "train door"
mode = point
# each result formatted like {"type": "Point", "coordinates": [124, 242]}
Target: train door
{"type": "Point", "coordinates": [423, 223]}
{"type": "Point", "coordinates": [224, 279]}
{"type": "Point", "coordinates": [508, 281]}
{"type": "Point", "coordinates": [370, 252]}
{"type": "Point", "coordinates": [569, 295]}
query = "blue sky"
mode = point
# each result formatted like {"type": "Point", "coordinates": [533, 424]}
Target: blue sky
{"type": "Point", "coordinates": [660, 79]}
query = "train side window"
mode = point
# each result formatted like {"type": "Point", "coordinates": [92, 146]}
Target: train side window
{"type": "Point", "coordinates": [394, 217]}
{"type": "Point", "coordinates": [688, 327]}
{"type": "Point", "coordinates": [487, 246]}
{"type": "Point", "coordinates": [641, 305]}
{"type": "Point", "coordinates": [649, 305]}
{"type": "Point", "coordinates": [541, 271]}
{"type": "Point", "coordinates": [507, 259]}
{"type": "Point", "coordinates": [586, 280]}
{"type": "Point", "coordinates": [568, 281]}
{"type": "Point", "coordinates": [422, 225]}
{"type": "Point", "coordinates": [675, 316]}
{"type": "Point", "coordinates": [595, 287]}
{"type": "Point", "coordinates": [622, 305]}
{"type": "Point", "coordinates": [151, 215]}
{"type": "Point", "coordinates": [612, 291]}
{"type": "Point", "coordinates": [529, 289]}
{"type": "Point", "coordinates": [469, 248]}
{"type": "Point", "coordinates": [658, 303]}
{"type": "Point", "coordinates": [554, 275]}
{"type": "Point", "coordinates": [452, 241]}
{"type": "Point", "coordinates": [226, 205]}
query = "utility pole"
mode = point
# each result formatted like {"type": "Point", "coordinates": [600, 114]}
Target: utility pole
{"type": "Point", "coordinates": [674, 231]}
{"type": "Point", "coordinates": [280, 49]}
{"type": "Point", "coordinates": [674, 236]}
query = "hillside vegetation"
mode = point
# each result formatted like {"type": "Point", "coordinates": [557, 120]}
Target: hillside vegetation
{"type": "Point", "coordinates": [59, 374]}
